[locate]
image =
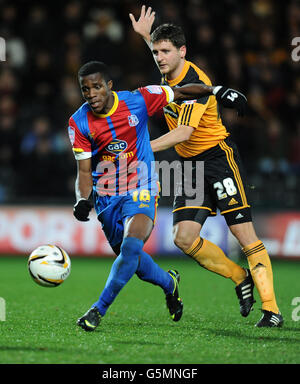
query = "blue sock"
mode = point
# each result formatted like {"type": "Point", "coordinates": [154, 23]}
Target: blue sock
{"type": "Point", "coordinates": [151, 272]}
{"type": "Point", "coordinates": [123, 268]}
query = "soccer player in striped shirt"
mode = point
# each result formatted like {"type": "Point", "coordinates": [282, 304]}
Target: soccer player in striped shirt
{"type": "Point", "coordinates": [110, 141]}
{"type": "Point", "coordinates": [198, 134]}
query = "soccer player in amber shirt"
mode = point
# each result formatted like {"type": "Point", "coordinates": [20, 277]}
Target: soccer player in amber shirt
{"type": "Point", "coordinates": [198, 134]}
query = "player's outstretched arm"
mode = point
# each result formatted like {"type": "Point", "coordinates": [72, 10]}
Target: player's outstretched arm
{"type": "Point", "coordinates": [228, 97]}
{"type": "Point", "coordinates": [192, 91]}
{"type": "Point", "coordinates": [143, 25]}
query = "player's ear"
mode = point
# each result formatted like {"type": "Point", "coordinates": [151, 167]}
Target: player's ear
{"type": "Point", "coordinates": [110, 84]}
{"type": "Point", "coordinates": [182, 51]}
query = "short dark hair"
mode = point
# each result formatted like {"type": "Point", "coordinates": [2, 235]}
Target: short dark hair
{"type": "Point", "coordinates": [171, 32]}
{"type": "Point", "coordinates": [95, 67]}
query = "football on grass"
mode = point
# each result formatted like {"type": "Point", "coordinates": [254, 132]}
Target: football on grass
{"type": "Point", "coordinates": [49, 265]}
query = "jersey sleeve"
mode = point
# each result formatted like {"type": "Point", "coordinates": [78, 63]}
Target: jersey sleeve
{"type": "Point", "coordinates": [192, 110]}
{"type": "Point", "coordinates": [191, 113]}
{"type": "Point", "coordinates": [81, 146]}
{"type": "Point", "coordinates": [156, 97]}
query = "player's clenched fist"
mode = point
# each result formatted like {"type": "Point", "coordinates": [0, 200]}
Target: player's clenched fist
{"type": "Point", "coordinates": [82, 209]}
{"type": "Point", "coordinates": [231, 98]}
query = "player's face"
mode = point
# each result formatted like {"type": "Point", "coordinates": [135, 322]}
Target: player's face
{"type": "Point", "coordinates": [168, 57]}
{"type": "Point", "coordinates": [97, 92]}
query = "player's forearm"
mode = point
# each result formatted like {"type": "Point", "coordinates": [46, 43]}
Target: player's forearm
{"type": "Point", "coordinates": [83, 185]}
{"type": "Point", "coordinates": [192, 91]}
{"type": "Point", "coordinates": [147, 39]}
{"type": "Point", "coordinates": [170, 139]}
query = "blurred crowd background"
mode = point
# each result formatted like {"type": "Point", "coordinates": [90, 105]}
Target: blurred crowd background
{"type": "Point", "coordinates": [243, 44]}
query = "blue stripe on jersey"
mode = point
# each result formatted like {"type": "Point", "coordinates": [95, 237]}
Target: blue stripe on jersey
{"type": "Point", "coordinates": [81, 120]}
{"type": "Point", "coordinates": [111, 127]}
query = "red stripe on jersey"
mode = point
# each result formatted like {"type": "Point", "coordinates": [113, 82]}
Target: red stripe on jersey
{"type": "Point", "coordinates": [100, 132]}
{"type": "Point", "coordinates": [155, 98]}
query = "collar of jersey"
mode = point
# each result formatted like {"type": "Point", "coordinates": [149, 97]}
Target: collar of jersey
{"type": "Point", "coordinates": [181, 76]}
{"type": "Point", "coordinates": [113, 108]}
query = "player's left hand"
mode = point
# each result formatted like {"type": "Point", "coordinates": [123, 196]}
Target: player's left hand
{"type": "Point", "coordinates": [230, 98]}
{"type": "Point", "coordinates": [82, 209]}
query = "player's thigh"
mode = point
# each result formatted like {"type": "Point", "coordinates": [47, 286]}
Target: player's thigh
{"type": "Point", "coordinates": [109, 213]}
{"type": "Point", "coordinates": [139, 213]}
{"type": "Point", "coordinates": [227, 182]}
{"type": "Point", "coordinates": [188, 219]}
{"type": "Point", "coordinates": [139, 226]}
{"type": "Point", "coordinates": [188, 207]}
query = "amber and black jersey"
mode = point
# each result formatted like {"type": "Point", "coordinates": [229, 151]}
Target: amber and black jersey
{"type": "Point", "coordinates": [201, 114]}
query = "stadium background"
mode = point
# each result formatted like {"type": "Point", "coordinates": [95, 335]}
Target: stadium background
{"type": "Point", "coordinates": [245, 45]}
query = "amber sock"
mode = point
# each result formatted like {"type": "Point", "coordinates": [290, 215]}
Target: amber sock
{"type": "Point", "coordinates": [261, 271]}
{"type": "Point", "coordinates": [211, 257]}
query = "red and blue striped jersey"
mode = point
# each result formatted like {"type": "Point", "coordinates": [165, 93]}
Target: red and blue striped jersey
{"type": "Point", "coordinates": [118, 142]}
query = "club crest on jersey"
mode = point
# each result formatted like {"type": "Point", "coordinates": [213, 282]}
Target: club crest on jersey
{"type": "Point", "coordinates": [116, 146]}
{"type": "Point", "coordinates": [133, 120]}
{"type": "Point", "coordinates": [71, 135]}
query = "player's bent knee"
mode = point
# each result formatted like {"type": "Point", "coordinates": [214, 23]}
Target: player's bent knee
{"type": "Point", "coordinates": [139, 226]}
{"type": "Point", "coordinates": [183, 241]}
{"type": "Point", "coordinates": [244, 233]}
{"type": "Point", "coordinates": [131, 248]}
{"type": "Point", "coordinates": [185, 233]}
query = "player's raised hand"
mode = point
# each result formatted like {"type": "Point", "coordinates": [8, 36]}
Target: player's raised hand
{"type": "Point", "coordinates": [230, 98]}
{"type": "Point", "coordinates": [143, 25]}
{"type": "Point", "coordinates": [82, 209]}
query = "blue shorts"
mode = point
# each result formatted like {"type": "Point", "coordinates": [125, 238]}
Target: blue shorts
{"type": "Point", "coordinates": [112, 211]}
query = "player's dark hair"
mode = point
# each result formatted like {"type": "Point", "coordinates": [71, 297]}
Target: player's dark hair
{"type": "Point", "coordinates": [95, 67]}
{"type": "Point", "coordinates": [170, 32]}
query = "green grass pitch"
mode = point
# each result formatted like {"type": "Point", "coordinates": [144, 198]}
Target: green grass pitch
{"type": "Point", "coordinates": [40, 324]}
